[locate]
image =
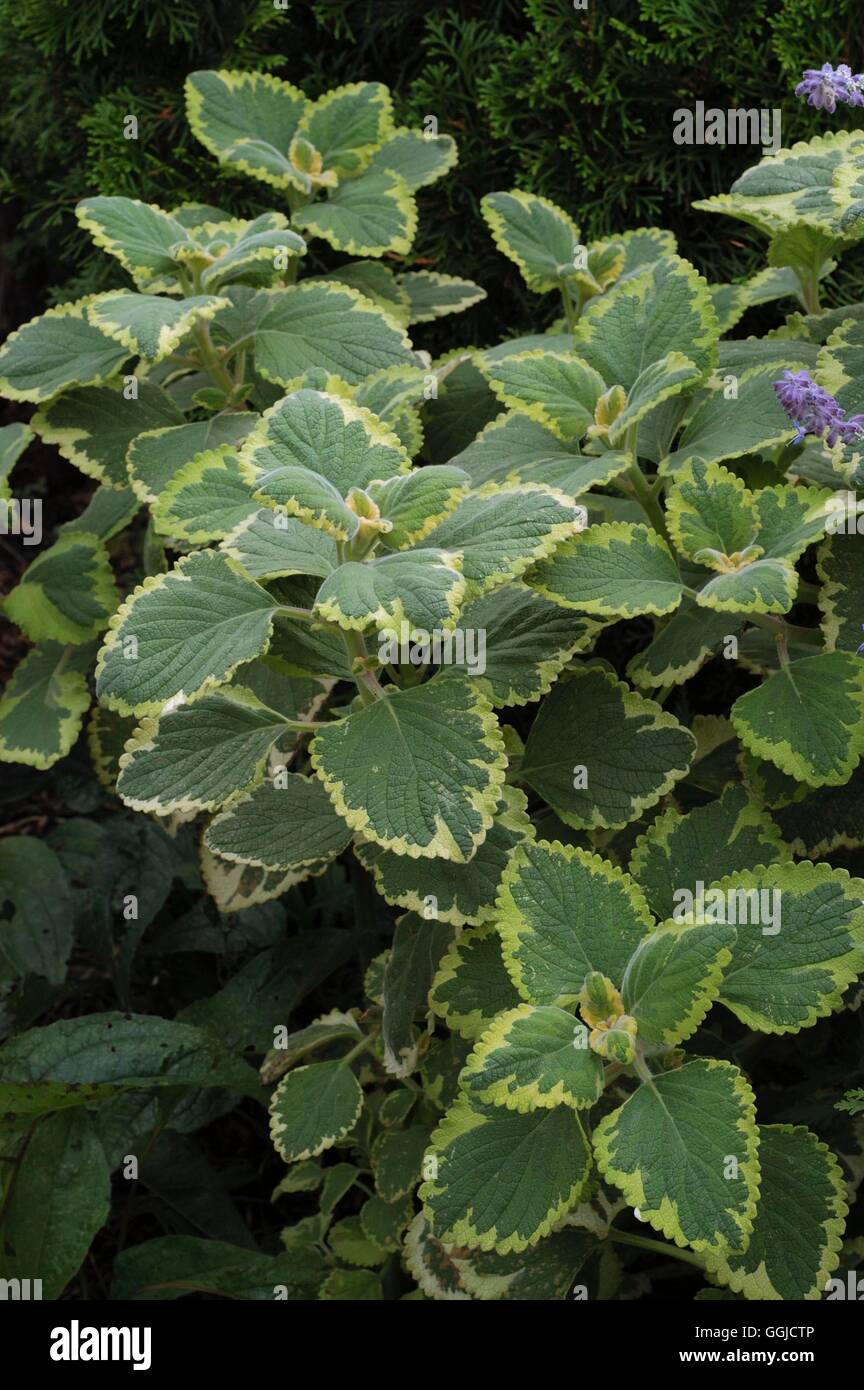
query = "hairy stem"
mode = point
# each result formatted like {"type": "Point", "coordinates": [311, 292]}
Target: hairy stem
{"type": "Point", "coordinates": [645, 494]}
{"type": "Point", "coordinates": [210, 358]}
{"type": "Point", "coordinates": [657, 1247]}
{"type": "Point", "coordinates": [368, 686]}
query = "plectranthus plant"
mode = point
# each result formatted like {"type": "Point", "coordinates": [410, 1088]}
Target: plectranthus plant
{"type": "Point", "coordinates": [451, 623]}
{"type": "Point", "coordinates": [151, 389]}
{"type": "Point", "coordinates": [660, 890]}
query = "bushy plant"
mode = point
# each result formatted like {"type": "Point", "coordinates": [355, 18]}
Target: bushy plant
{"type": "Point", "coordinates": [576, 104]}
{"type": "Point", "coordinates": [458, 616]}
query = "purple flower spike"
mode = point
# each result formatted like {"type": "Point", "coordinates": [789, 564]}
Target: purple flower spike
{"type": "Point", "coordinates": [813, 410]}
{"type": "Point", "coordinates": [824, 87]}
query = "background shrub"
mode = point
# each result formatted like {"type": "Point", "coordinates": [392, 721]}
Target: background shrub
{"type": "Point", "coordinates": [574, 104]}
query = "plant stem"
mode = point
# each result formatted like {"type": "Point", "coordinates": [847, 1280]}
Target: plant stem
{"type": "Point", "coordinates": [810, 290]}
{"type": "Point", "coordinates": [571, 310]}
{"type": "Point", "coordinates": [776, 626]}
{"type": "Point", "coordinates": [368, 686]}
{"type": "Point", "coordinates": [304, 614]}
{"type": "Point", "coordinates": [782, 649]}
{"type": "Point", "coordinates": [363, 1045]}
{"type": "Point", "coordinates": [210, 358]}
{"type": "Point", "coordinates": [645, 496]}
{"type": "Point", "coordinates": [657, 1247]}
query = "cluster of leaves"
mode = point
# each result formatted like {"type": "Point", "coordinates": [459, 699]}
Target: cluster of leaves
{"type": "Point", "coordinates": [315, 487]}
{"type": "Point", "coordinates": [575, 104]}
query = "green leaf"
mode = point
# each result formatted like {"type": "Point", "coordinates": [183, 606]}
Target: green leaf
{"type": "Point", "coordinates": [421, 589]}
{"type": "Point", "coordinates": [347, 124]}
{"type": "Point", "coordinates": [367, 216]}
{"type": "Point", "coordinates": [502, 534]}
{"type": "Point", "coordinates": [206, 499]}
{"type": "Point", "coordinates": [431, 1263]}
{"type": "Point", "coordinates": [196, 757]}
{"type": "Point", "coordinates": [670, 1146]}
{"type": "Point", "coordinates": [563, 913]}
{"type": "Point", "coordinates": [235, 887]}
{"type": "Point", "coordinates": [384, 1222]}
{"type": "Point", "coordinates": [420, 158]}
{"type": "Point", "coordinates": [247, 120]}
{"type": "Point", "coordinates": [791, 185]}
{"type": "Point", "coordinates": [514, 448]}
{"type": "Point", "coordinates": [191, 627]}
{"type": "Point", "coordinates": [313, 1108]}
{"type": "Point", "coordinates": [67, 594]}
{"type": "Point", "coordinates": [317, 324]}
{"type": "Point", "coordinates": [840, 566]}
{"type": "Point", "coordinates": [330, 1028]}
{"type": "Point", "coordinates": [157, 455]}
{"type": "Point", "coordinates": [328, 437]}
{"type": "Point", "coordinates": [801, 252]}
{"type": "Point", "coordinates": [432, 295]}
{"type": "Point", "coordinates": [351, 1244]}
{"type": "Point", "coordinates": [504, 1179]}
{"type": "Point", "coordinates": [527, 642]}
{"type": "Point", "coordinates": [765, 586]}
{"type": "Point", "coordinates": [377, 283]}
{"type": "Point", "coordinates": [668, 376]}
{"type": "Point", "coordinates": [94, 426]}
{"type": "Point", "coordinates": [60, 348]}
{"type": "Point", "coordinates": [678, 650]}
{"type": "Point", "coordinates": [666, 308]}
{"type": "Point", "coordinates": [257, 259]}
{"type": "Point", "coordinates": [555, 388]}
{"type": "Point", "coordinates": [418, 771]}
{"type": "Point", "coordinates": [828, 819]}
{"type": "Point", "coordinates": [730, 302]}
{"type": "Point", "coordinates": [472, 985]}
{"type": "Point", "coordinates": [105, 1054]}
{"type": "Point", "coordinates": [786, 975]}
{"type": "Point", "coordinates": [463, 405]}
{"type": "Point", "coordinates": [397, 1158]}
{"type": "Point", "coordinates": [798, 1231]}
{"type": "Point", "coordinates": [109, 511]}
{"type": "Point", "coordinates": [535, 234]}
{"type": "Point", "coordinates": [840, 367]}
{"type": "Point", "coordinates": [791, 518]}
{"type": "Point", "coordinates": [616, 570]}
{"type": "Point", "coordinates": [807, 718]}
{"type": "Point", "coordinates": [415, 502]}
{"type": "Point", "coordinates": [643, 246]}
{"type": "Point", "coordinates": [14, 439]}
{"type": "Point", "coordinates": [709, 508]}
{"type": "Point", "coordinates": [309, 497]}
{"type": "Point", "coordinates": [673, 978]}
{"type": "Point", "coordinates": [174, 1266]}
{"type": "Point", "coordinates": [601, 754]}
{"type": "Point", "coordinates": [411, 965]}
{"type": "Point", "coordinates": [142, 237]}
{"type": "Point", "coordinates": [286, 823]}
{"type": "Point", "coordinates": [270, 544]}
{"type": "Point", "coordinates": [727, 427]}
{"type": "Point", "coordinates": [61, 1200]}
{"type": "Point", "coordinates": [534, 1058]}
{"type": "Point", "coordinates": [546, 1273]}
{"type": "Point", "coordinates": [722, 837]}
{"type": "Point", "coordinates": [448, 892]}
{"type": "Point", "coordinates": [37, 938]}
{"type": "Point", "coordinates": [42, 708]}
{"type": "Point", "coordinates": [149, 325]}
